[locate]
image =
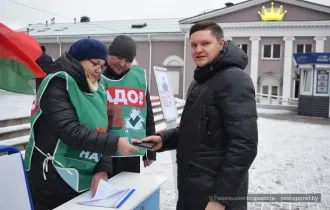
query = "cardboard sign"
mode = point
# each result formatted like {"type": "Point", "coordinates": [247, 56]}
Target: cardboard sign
{"type": "Point", "coordinates": [165, 94]}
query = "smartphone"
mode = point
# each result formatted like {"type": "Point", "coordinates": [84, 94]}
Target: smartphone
{"type": "Point", "coordinates": [146, 145]}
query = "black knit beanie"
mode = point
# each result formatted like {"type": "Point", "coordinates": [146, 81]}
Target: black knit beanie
{"type": "Point", "coordinates": [123, 46]}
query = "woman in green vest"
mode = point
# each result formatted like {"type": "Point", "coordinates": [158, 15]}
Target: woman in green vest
{"type": "Point", "coordinates": [69, 128]}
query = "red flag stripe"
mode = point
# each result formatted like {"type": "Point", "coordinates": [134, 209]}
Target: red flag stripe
{"type": "Point", "coordinates": [22, 40]}
{"type": "Point", "coordinates": [10, 49]}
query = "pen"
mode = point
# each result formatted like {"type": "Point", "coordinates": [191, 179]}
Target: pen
{"type": "Point", "coordinates": [128, 135]}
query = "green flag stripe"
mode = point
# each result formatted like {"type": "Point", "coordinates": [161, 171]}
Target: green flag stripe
{"type": "Point", "coordinates": [14, 76]}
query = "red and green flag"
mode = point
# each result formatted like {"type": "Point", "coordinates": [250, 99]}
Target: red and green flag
{"type": "Point", "coordinates": [18, 53]}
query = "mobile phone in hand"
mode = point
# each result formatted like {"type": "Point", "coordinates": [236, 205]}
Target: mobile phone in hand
{"type": "Point", "coordinates": [146, 145]}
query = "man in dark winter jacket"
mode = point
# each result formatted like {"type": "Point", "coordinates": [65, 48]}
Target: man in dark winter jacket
{"type": "Point", "coordinates": [217, 139]}
{"type": "Point", "coordinates": [122, 52]}
{"type": "Point", "coordinates": [43, 61]}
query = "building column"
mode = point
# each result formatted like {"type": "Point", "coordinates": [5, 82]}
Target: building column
{"type": "Point", "coordinates": [287, 72]}
{"type": "Point", "coordinates": [319, 47]}
{"type": "Point", "coordinates": [254, 60]}
{"type": "Point", "coordinates": [185, 43]}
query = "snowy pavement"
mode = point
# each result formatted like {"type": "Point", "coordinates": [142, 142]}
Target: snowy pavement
{"type": "Point", "coordinates": [293, 158]}
{"type": "Point", "coordinates": [14, 105]}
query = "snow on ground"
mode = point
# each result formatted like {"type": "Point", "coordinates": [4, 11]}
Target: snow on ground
{"type": "Point", "coordinates": [274, 111]}
{"type": "Point", "coordinates": [293, 157]}
{"type": "Point", "coordinates": [14, 105]}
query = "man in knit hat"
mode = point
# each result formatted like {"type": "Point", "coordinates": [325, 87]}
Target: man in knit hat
{"type": "Point", "coordinates": [129, 105]}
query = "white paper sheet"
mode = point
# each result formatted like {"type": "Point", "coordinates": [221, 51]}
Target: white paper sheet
{"type": "Point", "coordinates": [107, 195]}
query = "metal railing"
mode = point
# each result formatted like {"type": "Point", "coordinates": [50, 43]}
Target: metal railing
{"type": "Point", "coordinates": [276, 100]}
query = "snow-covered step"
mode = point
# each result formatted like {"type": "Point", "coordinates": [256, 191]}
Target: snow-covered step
{"type": "Point", "coordinates": [14, 120]}
{"type": "Point", "coordinates": [14, 131]}
{"type": "Point", "coordinates": [159, 109]}
{"type": "Point", "coordinates": [14, 107]}
{"type": "Point", "coordinates": [162, 126]}
{"type": "Point", "coordinates": [154, 98]}
{"type": "Point", "coordinates": [155, 104]}
{"type": "Point", "coordinates": [160, 117]}
{"type": "Point", "coordinates": [19, 142]}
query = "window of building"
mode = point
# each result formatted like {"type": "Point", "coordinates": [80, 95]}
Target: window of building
{"type": "Point", "coordinates": [322, 82]}
{"type": "Point", "coordinates": [274, 91]}
{"type": "Point", "coordinates": [272, 51]}
{"type": "Point", "coordinates": [304, 48]}
{"type": "Point", "coordinates": [306, 82]}
{"type": "Point", "coordinates": [174, 65]}
{"type": "Point", "coordinates": [265, 91]}
{"type": "Point", "coordinates": [244, 47]}
{"type": "Point", "coordinates": [308, 48]}
{"type": "Point", "coordinates": [270, 85]}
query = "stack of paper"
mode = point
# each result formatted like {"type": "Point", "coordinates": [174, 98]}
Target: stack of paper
{"type": "Point", "coordinates": [107, 195]}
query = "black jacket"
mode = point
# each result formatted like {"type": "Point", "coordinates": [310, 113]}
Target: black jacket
{"type": "Point", "coordinates": [217, 139]}
{"type": "Point", "coordinates": [131, 164]}
{"type": "Point", "coordinates": [44, 61]}
{"type": "Point", "coordinates": [59, 121]}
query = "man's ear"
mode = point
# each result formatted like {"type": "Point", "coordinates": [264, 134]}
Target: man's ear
{"type": "Point", "coordinates": [222, 42]}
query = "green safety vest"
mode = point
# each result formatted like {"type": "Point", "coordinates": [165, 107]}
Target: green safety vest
{"type": "Point", "coordinates": [127, 109]}
{"type": "Point", "coordinates": [73, 165]}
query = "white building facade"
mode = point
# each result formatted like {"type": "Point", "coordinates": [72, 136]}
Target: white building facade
{"type": "Point", "coordinates": [304, 27]}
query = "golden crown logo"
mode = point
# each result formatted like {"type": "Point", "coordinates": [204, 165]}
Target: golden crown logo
{"type": "Point", "coordinates": [272, 15]}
